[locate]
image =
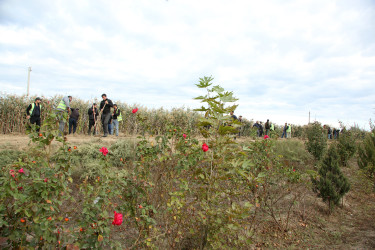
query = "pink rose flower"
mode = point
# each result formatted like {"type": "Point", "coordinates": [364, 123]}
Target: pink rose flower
{"type": "Point", "coordinates": [104, 151]}
{"type": "Point", "coordinates": [184, 136]}
{"type": "Point", "coordinates": [21, 171]}
{"type": "Point", "coordinates": [205, 148]}
{"type": "Point", "coordinates": [117, 220]}
{"type": "Point", "coordinates": [266, 137]}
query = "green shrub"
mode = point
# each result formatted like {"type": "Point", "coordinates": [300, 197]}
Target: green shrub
{"type": "Point", "coordinates": [316, 140]}
{"type": "Point", "coordinates": [346, 147]}
{"type": "Point", "coordinates": [366, 155]}
{"type": "Point", "coordinates": [297, 131]}
{"type": "Point", "coordinates": [8, 156]}
{"type": "Point", "coordinates": [292, 150]}
{"type": "Point", "coordinates": [331, 185]}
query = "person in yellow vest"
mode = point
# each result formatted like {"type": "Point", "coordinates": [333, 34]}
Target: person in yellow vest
{"type": "Point", "coordinates": [33, 112]}
{"type": "Point", "coordinates": [64, 106]}
{"type": "Point", "coordinates": [116, 118]}
{"type": "Point", "coordinates": [289, 131]}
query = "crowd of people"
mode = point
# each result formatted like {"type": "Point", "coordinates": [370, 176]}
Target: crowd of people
{"type": "Point", "coordinates": [110, 120]}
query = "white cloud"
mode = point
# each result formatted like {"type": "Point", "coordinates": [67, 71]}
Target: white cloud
{"type": "Point", "coordinates": [282, 58]}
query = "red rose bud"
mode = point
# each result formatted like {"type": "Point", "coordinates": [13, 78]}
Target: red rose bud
{"type": "Point", "coordinates": [205, 148]}
{"type": "Point", "coordinates": [134, 110]}
{"type": "Point", "coordinates": [104, 151]}
{"type": "Point", "coordinates": [117, 220]}
{"type": "Point", "coordinates": [46, 179]}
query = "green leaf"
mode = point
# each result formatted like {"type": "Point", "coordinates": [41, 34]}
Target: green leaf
{"type": "Point", "coordinates": [217, 89]}
{"type": "Point", "coordinates": [204, 82]}
{"type": "Point", "coordinates": [34, 208]}
{"type": "Point", "coordinates": [27, 213]}
{"type": "Point", "coordinates": [261, 175]}
{"type": "Point", "coordinates": [199, 98]}
{"type": "Point", "coordinates": [228, 97]}
{"type": "Point", "coordinates": [248, 204]}
{"type": "Point", "coordinates": [36, 219]}
{"type": "Point", "coordinates": [201, 109]}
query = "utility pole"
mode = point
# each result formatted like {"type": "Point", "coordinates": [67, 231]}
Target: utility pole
{"type": "Point", "coordinates": [28, 81]}
{"type": "Point", "coordinates": [309, 116]}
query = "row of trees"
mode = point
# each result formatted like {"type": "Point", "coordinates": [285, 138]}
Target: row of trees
{"type": "Point", "coordinates": [329, 183]}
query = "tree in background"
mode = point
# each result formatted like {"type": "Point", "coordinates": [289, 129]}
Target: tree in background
{"type": "Point", "coordinates": [331, 185]}
{"type": "Point", "coordinates": [316, 140]}
{"type": "Point", "coordinates": [346, 147]}
{"type": "Point", "coordinates": [366, 155]}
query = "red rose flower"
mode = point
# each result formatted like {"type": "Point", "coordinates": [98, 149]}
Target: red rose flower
{"type": "Point", "coordinates": [266, 137]}
{"type": "Point", "coordinates": [117, 220]}
{"type": "Point", "coordinates": [11, 172]}
{"type": "Point", "coordinates": [134, 110]}
{"type": "Point", "coordinates": [184, 136]}
{"type": "Point", "coordinates": [21, 171]}
{"type": "Point", "coordinates": [46, 179]}
{"type": "Point", "coordinates": [104, 151]}
{"type": "Point", "coordinates": [205, 148]}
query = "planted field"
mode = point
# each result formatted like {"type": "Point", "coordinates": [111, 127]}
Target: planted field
{"type": "Point", "coordinates": [182, 189]}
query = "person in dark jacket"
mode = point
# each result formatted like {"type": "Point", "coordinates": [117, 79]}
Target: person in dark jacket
{"type": "Point", "coordinates": [33, 112]}
{"type": "Point", "coordinates": [234, 117]}
{"type": "Point", "coordinates": [267, 126]}
{"type": "Point", "coordinates": [110, 126]}
{"type": "Point", "coordinates": [73, 119]}
{"type": "Point", "coordinates": [240, 128]}
{"type": "Point", "coordinates": [329, 133]}
{"type": "Point", "coordinates": [105, 107]}
{"type": "Point", "coordinates": [258, 126]}
{"type": "Point", "coordinates": [93, 115]}
{"type": "Point", "coordinates": [284, 130]}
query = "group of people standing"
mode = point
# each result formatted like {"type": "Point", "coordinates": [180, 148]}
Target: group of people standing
{"type": "Point", "coordinates": [333, 134]}
{"type": "Point", "coordinates": [110, 120]}
{"type": "Point", "coordinates": [268, 127]}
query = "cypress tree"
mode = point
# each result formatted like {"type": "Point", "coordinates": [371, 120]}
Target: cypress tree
{"type": "Point", "coordinates": [331, 185]}
{"type": "Point", "coordinates": [346, 147]}
{"type": "Point", "coordinates": [316, 140]}
{"type": "Point", "coordinates": [366, 155]}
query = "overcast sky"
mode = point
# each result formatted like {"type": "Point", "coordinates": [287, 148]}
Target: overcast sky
{"type": "Point", "coordinates": [282, 58]}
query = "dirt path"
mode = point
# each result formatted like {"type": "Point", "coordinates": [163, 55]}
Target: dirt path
{"type": "Point", "coordinates": [22, 141]}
